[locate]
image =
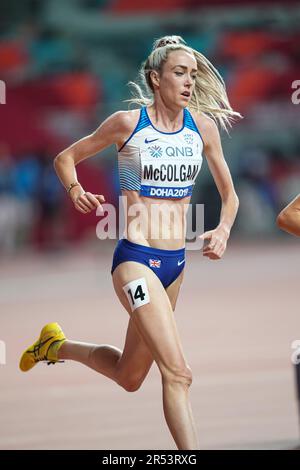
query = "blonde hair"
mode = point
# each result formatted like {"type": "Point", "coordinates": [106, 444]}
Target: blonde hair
{"type": "Point", "coordinates": [209, 94]}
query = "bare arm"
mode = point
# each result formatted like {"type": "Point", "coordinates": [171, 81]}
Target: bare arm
{"type": "Point", "coordinates": [113, 130]}
{"type": "Point", "coordinates": [222, 177]}
{"type": "Point", "coordinates": [289, 217]}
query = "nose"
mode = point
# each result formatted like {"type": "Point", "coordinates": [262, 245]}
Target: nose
{"type": "Point", "coordinates": [189, 81]}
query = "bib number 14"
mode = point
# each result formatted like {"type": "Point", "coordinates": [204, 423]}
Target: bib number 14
{"type": "Point", "coordinates": [137, 293]}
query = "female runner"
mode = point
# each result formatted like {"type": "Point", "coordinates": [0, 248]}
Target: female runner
{"type": "Point", "coordinates": [160, 149]}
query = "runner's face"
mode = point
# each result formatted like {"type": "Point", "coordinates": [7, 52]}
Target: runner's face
{"type": "Point", "coordinates": [177, 80]}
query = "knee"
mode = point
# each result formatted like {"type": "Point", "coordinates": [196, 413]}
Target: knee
{"type": "Point", "coordinates": [130, 385]}
{"type": "Point", "coordinates": [178, 375]}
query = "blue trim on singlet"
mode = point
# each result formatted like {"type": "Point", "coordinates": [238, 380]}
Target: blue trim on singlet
{"type": "Point", "coordinates": [130, 170]}
{"type": "Point", "coordinates": [169, 133]}
{"type": "Point", "coordinates": [145, 121]}
{"type": "Point", "coordinates": [190, 124]}
{"type": "Point", "coordinates": [142, 123]}
{"type": "Point", "coordinates": [130, 178]}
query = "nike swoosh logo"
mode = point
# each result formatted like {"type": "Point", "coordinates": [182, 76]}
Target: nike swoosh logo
{"type": "Point", "coordinates": [180, 262]}
{"type": "Point", "coordinates": [149, 141]}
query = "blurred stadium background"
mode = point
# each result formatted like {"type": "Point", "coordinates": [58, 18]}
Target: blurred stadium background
{"type": "Point", "coordinates": [66, 64]}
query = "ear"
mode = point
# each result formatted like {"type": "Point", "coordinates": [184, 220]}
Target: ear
{"type": "Point", "coordinates": [154, 76]}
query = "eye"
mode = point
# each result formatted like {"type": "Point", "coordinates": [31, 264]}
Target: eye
{"type": "Point", "coordinates": [194, 77]}
{"type": "Point", "coordinates": [178, 73]}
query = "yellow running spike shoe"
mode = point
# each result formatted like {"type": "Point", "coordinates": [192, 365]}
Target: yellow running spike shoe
{"type": "Point", "coordinates": [45, 348]}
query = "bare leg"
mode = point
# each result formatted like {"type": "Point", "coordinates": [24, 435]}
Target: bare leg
{"type": "Point", "coordinates": [178, 414]}
{"type": "Point", "coordinates": [129, 367]}
{"type": "Point", "coordinates": [156, 324]}
{"type": "Point", "coordinates": [102, 358]}
{"type": "Point", "coordinates": [177, 409]}
{"type": "Point", "coordinates": [173, 291]}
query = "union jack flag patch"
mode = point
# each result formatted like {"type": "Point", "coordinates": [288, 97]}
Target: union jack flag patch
{"type": "Point", "coordinates": [154, 263]}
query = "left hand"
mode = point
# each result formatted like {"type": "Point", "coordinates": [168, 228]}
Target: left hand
{"type": "Point", "coordinates": [217, 242]}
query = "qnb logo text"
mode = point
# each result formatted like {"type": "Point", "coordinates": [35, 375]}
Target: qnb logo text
{"type": "Point", "coordinates": [179, 151]}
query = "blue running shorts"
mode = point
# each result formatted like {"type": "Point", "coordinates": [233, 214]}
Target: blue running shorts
{"type": "Point", "coordinates": [166, 264]}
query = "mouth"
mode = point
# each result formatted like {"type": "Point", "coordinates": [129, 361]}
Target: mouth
{"type": "Point", "coordinates": [186, 94]}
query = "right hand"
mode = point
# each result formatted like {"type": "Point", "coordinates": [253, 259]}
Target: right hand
{"type": "Point", "coordinates": [85, 202]}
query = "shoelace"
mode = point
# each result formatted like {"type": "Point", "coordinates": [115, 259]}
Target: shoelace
{"type": "Point", "coordinates": [45, 358]}
{"type": "Point", "coordinates": [38, 358]}
{"type": "Point", "coordinates": [53, 362]}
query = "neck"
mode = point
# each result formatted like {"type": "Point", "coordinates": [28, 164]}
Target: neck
{"type": "Point", "coordinates": [165, 117]}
